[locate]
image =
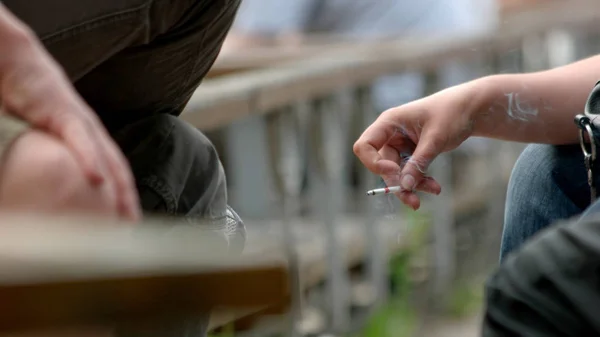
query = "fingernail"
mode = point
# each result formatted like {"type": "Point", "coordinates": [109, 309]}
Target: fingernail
{"type": "Point", "coordinates": [408, 182]}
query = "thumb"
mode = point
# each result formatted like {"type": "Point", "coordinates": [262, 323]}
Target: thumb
{"type": "Point", "coordinates": [429, 147]}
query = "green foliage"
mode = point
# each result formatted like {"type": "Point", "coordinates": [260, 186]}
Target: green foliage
{"type": "Point", "coordinates": [465, 299]}
{"type": "Point", "coordinates": [418, 227]}
{"type": "Point", "coordinates": [398, 318]}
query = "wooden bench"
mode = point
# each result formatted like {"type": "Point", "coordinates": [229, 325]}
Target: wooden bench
{"type": "Point", "coordinates": [56, 274]}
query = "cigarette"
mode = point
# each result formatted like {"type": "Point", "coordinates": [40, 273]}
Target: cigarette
{"type": "Point", "coordinates": [385, 190]}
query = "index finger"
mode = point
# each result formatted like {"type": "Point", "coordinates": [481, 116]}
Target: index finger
{"type": "Point", "coordinates": [127, 196]}
{"type": "Point", "coordinates": [370, 142]}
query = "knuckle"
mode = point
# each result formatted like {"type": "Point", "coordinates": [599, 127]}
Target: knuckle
{"type": "Point", "coordinates": [437, 140]}
{"type": "Point", "coordinates": [437, 144]}
{"type": "Point", "coordinates": [67, 125]}
{"type": "Point", "coordinates": [389, 113]}
{"type": "Point", "coordinates": [357, 147]}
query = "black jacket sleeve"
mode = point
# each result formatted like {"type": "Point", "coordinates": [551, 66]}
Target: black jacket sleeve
{"type": "Point", "coordinates": [549, 288]}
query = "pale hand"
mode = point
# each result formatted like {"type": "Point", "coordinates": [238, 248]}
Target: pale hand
{"type": "Point", "coordinates": [34, 88]}
{"type": "Point", "coordinates": [401, 144]}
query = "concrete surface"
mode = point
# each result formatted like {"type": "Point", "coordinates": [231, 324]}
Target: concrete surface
{"type": "Point", "coordinates": [453, 328]}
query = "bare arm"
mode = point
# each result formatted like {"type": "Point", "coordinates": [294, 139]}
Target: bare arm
{"type": "Point", "coordinates": [536, 107]}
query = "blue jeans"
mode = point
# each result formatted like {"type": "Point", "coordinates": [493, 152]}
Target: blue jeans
{"type": "Point", "coordinates": [548, 183]}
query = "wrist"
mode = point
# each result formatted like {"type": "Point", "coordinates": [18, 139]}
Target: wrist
{"type": "Point", "coordinates": [484, 93]}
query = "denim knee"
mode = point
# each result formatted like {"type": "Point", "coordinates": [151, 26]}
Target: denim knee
{"type": "Point", "coordinates": [547, 184]}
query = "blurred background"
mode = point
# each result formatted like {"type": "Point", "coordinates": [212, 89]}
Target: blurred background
{"type": "Point", "coordinates": [297, 82]}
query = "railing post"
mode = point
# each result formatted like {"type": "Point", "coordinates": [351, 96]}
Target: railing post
{"type": "Point", "coordinates": [442, 249]}
{"type": "Point", "coordinates": [534, 49]}
{"type": "Point", "coordinates": [376, 261]}
{"type": "Point", "coordinates": [444, 241]}
{"type": "Point", "coordinates": [286, 158]}
{"type": "Point", "coordinates": [251, 185]}
{"type": "Point", "coordinates": [328, 143]}
{"type": "Point", "coordinates": [561, 47]}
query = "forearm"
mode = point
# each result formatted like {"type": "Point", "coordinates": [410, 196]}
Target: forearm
{"type": "Point", "coordinates": [535, 107]}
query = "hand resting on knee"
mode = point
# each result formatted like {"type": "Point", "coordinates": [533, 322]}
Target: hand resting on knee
{"type": "Point", "coordinates": [39, 174]}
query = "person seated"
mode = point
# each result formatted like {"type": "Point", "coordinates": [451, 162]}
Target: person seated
{"type": "Point", "coordinates": [99, 86]}
{"type": "Point", "coordinates": [118, 119]}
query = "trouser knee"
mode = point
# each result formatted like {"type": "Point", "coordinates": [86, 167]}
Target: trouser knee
{"type": "Point", "coordinates": [178, 172]}
{"type": "Point", "coordinates": [548, 183]}
{"type": "Point", "coordinates": [176, 167]}
{"type": "Point", "coordinates": [544, 169]}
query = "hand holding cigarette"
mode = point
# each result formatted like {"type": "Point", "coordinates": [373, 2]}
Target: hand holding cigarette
{"type": "Point", "coordinates": [424, 129]}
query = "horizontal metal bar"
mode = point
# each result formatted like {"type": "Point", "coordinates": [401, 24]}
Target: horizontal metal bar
{"type": "Point", "coordinates": [220, 101]}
